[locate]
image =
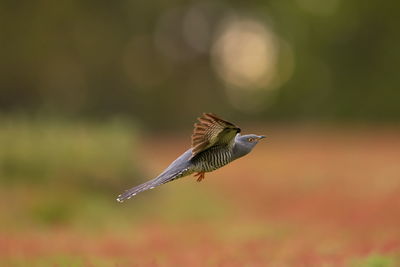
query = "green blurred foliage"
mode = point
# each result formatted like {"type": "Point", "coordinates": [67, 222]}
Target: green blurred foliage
{"type": "Point", "coordinates": [88, 155]}
{"type": "Point", "coordinates": [60, 261]}
{"type": "Point", "coordinates": [65, 261]}
{"type": "Point", "coordinates": [59, 171]}
{"type": "Point", "coordinates": [375, 260]}
{"type": "Point", "coordinates": [101, 58]}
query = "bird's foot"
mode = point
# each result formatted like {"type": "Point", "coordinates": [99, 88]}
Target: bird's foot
{"type": "Point", "coordinates": [200, 176]}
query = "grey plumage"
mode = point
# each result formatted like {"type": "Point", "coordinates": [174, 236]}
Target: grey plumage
{"type": "Point", "coordinates": [179, 168]}
{"type": "Point", "coordinates": [220, 147]}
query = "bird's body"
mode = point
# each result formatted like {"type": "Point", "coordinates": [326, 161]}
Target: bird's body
{"type": "Point", "coordinates": [213, 158]}
{"type": "Point", "coordinates": [215, 143]}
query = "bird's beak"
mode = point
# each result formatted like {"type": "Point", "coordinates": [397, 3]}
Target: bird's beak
{"type": "Point", "coordinates": [261, 137]}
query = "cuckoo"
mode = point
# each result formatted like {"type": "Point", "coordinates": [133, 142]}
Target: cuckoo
{"type": "Point", "coordinates": [215, 143]}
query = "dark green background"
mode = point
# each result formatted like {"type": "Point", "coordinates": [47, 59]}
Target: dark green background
{"type": "Point", "coordinates": [65, 57]}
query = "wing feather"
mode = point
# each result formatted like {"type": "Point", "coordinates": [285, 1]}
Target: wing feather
{"type": "Point", "coordinates": [211, 130]}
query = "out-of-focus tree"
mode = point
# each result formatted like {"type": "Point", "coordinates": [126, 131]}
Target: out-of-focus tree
{"type": "Point", "coordinates": [303, 59]}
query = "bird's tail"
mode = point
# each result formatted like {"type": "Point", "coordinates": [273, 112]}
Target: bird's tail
{"type": "Point", "coordinates": [162, 179]}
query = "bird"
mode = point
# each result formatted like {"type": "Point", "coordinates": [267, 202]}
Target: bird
{"type": "Point", "coordinates": [214, 143]}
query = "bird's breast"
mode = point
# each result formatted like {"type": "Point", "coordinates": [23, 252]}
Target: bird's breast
{"type": "Point", "coordinates": [212, 159]}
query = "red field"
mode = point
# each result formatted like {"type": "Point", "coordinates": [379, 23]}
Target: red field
{"type": "Point", "coordinates": [305, 197]}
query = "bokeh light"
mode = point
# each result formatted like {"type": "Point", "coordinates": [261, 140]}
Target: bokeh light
{"type": "Point", "coordinates": [245, 53]}
{"type": "Point", "coordinates": [197, 27]}
{"type": "Point", "coordinates": [245, 56]}
{"type": "Point", "coordinates": [169, 36]}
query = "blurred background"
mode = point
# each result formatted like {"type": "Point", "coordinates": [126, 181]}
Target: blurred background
{"type": "Point", "coordinates": [98, 96]}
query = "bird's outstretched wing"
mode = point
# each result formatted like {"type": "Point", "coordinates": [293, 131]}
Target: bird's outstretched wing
{"type": "Point", "coordinates": [210, 131]}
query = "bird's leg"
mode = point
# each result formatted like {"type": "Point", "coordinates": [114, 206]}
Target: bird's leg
{"type": "Point", "coordinates": [200, 176]}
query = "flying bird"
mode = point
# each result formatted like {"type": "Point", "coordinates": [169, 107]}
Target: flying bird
{"type": "Point", "coordinates": [215, 143]}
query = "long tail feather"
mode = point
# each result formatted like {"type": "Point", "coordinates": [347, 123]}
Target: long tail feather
{"type": "Point", "coordinates": [179, 168]}
{"type": "Point", "coordinates": [162, 179]}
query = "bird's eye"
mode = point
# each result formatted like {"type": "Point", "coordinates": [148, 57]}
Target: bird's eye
{"type": "Point", "coordinates": [250, 139]}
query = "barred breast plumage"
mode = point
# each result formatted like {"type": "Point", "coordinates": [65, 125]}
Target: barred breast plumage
{"type": "Point", "coordinates": [212, 159]}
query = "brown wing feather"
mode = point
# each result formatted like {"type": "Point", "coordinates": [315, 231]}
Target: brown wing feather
{"type": "Point", "coordinates": [211, 130]}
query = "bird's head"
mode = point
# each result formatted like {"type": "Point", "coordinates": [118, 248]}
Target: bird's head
{"type": "Point", "coordinates": [245, 143]}
{"type": "Point", "coordinates": [249, 140]}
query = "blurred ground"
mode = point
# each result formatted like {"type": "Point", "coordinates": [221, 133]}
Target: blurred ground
{"type": "Point", "coordinates": [308, 196]}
